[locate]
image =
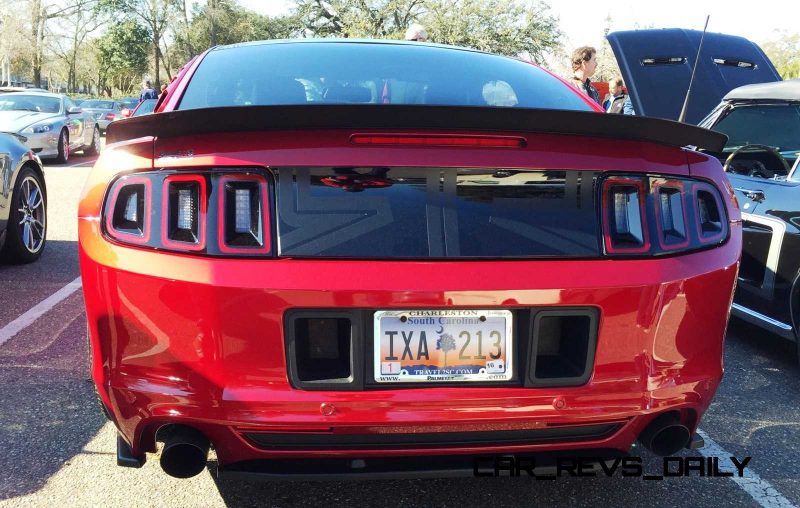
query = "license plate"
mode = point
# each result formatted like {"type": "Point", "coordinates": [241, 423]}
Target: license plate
{"type": "Point", "coordinates": [419, 346]}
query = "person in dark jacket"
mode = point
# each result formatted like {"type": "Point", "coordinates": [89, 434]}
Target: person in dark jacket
{"type": "Point", "coordinates": [584, 63]}
{"type": "Point", "coordinates": [148, 92]}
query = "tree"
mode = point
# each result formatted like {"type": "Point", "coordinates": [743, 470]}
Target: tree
{"type": "Point", "coordinates": [227, 22]}
{"type": "Point", "coordinates": [357, 18]}
{"type": "Point", "coordinates": [122, 56]}
{"type": "Point", "coordinates": [607, 67]}
{"type": "Point", "coordinates": [153, 14]}
{"type": "Point", "coordinates": [42, 11]}
{"type": "Point", "coordinates": [445, 343]}
{"type": "Point", "coordinates": [508, 27]}
{"type": "Point", "coordinates": [76, 26]}
{"type": "Point", "coordinates": [784, 52]}
{"type": "Point", "coordinates": [11, 44]}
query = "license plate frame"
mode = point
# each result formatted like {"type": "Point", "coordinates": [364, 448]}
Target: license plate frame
{"type": "Point", "coordinates": [437, 324]}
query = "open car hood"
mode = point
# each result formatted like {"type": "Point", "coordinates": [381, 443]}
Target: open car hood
{"type": "Point", "coordinates": [657, 65]}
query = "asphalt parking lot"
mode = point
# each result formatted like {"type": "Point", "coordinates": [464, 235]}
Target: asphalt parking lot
{"type": "Point", "coordinates": [56, 448]}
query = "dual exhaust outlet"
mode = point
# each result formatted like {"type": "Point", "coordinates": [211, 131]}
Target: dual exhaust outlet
{"type": "Point", "coordinates": [185, 451]}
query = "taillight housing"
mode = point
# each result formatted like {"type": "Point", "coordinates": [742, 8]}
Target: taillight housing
{"type": "Point", "coordinates": [243, 202]}
{"type": "Point", "coordinates": [213, 212]}
{"type": "Point", "coordinates": [128, 211]}
{"type": "Point", "coordinates": [655, 215]}
{"type": "Point", "coordinates": [183, 212]}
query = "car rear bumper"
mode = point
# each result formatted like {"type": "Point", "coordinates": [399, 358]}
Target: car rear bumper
{"type": "Point", "coordinates": [200, 342]}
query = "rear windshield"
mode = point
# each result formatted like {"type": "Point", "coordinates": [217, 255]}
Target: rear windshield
{"type": "Point", "coordinates": [371, 73]}
{"type": "Point", "coordinates": [97, 104]}
{"type": "Point", "coordinates": [147, 106]}
{"type": "Point", "coordinates": [385, 213]}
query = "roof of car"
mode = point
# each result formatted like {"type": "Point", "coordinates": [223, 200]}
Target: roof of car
{"type": "Point", "coordinates": [779, 90]}
{"type": "Point", "coordinates": [351, 41]}
{"type": "Point", "coordinates": [40, 94]}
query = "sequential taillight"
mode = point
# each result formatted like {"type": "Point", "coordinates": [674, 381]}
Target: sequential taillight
{"type": "Point", "coordinates": [128, 217]}
{"type": "Point", "coordinates": [183, 212]}
{"type": "Point", "coordinates": [624, 216]}
{"type": "Point", "coordinates": [243, 214]}
{"type": "Point", "coordinates": [660, 215]}
{"type": "Point", "coordinates": [711, 223]}
{"type": "Point", "coordinates": [206, 211]}
{"type": "Point", "coordinates": [671, 214]}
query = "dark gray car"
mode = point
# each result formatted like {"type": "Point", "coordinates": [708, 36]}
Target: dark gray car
{"type": "Point", "coordinates": [23, 202]}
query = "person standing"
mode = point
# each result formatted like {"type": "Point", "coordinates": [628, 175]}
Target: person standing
{"type": "Point", "coordinates": [417, 33]}
{"type": "Point", "coordinates": [616, 96]}
{"type": "Point", "coordinates": [584, 63]}
{"type": "Point", "coordinates": [148, 92]}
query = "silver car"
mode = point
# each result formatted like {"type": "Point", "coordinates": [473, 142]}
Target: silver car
{"type": "Point", "coordinates": [23, 202]}
{"type": "Point", "coordinates": [52, 124]}
{"type": "Point", "coordinates": [104, 111]}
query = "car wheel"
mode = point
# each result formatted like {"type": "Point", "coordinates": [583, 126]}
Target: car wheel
{"type": "Point", "coordinates": [26, 231]}
{"type": "Point", "coordinates": [63, 147]}
{"type": "Point", "coordinates": [94, 146]}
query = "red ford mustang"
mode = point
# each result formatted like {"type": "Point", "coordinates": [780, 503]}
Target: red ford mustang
{"type": "Point", "coordinates": [374, 258]}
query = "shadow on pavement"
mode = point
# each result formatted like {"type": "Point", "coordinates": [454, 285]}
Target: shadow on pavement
{"type": "Point", "coordinates": [48, 410]}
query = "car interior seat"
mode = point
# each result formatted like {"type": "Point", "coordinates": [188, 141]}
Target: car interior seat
{"type": "Point", "coordinates": [353, 94]}
{"type": "Point", "coordinates": [280, 90]}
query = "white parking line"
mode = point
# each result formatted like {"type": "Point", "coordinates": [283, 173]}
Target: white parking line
{"type": "Point", "coordinates": [77, 165]}
{"type": "Point", "coordinates": [37, 311]}
{"type": "Point", "coordinates": [761, 490]}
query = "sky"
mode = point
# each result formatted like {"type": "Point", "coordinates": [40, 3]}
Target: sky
{"type": "Point", "coordinates": [583, 21]}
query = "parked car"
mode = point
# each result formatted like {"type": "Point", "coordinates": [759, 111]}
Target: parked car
{"type": "Point", "coordinates": [145, 107]}
{"type": "Point", "coordinates": [129, 104]}
{"type": "Point", "coordinates": [51, 123]}
{"type": "Point", "coordinates": [104, 111]}
{"type": "Point", "coordinates": [762, 122]}
{"type": "Point", "coordinates": [9, 89]}
{"type": "Point", "coordinates": [761, 159]}
{"type": "Point", "coordinates": [23, 202]}
{"type": "Point", "coordinates": [397, 274]}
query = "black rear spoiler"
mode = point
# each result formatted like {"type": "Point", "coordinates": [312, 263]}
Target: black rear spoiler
{"type": "Point", "coordinates": [451, 118]}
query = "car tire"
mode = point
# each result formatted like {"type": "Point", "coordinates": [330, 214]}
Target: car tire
{"type": "Point", "coordinates": [26, 231]}
{"type": "Point", "coordinates": [94, 146]}
{"type": "Point", "coordinates": [63, 147]}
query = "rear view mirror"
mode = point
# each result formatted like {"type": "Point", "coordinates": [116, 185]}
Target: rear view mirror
{"type": "Point", "coordinates": [75, 110]}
